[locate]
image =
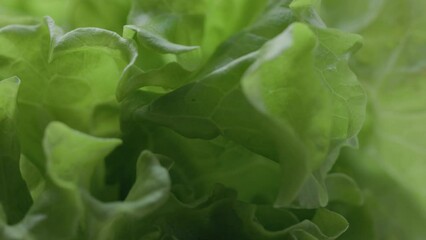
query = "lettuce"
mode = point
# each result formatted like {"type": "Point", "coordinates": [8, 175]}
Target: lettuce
{"type": "Point", "coordinates": [390, 162]}
{"type": "Point", "coordinates": [225, 119]}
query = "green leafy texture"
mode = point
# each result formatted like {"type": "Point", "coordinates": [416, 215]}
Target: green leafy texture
{"type": "Point", "coordinates": [361, 223]}
{"type": "Point", "coordinates": [208, 22]}
{"type": "Point", "coordinates": [14, 195]}
{"type": "Point", "coordinates": [176, 29]}
{"type": "Point", "coordinates": [167, 31]}
{"type": "Point", "coordinates": [69, 167]}
{"type": "Point", "coordinates": [263, 29]}
{"type": "Point", "coordinates": [170, 68]}
{"type": "Point", "coordinates": [220, 90]}
{"type": "Point", "coordinates": [276, 18]}
{"type": "Point", "coordinates": [343, 188]}
{"type": "Point", "coordinates": [166, 78]}
{"type": "Point", "coordinates": [328, 126]}
{"type": "Point", "coordinates": [121, 163]}
{"type": "Point", "coordinates": [220, 216]}
{"type": "Point", "coordinates": [306, 11]}
{"type": "Point", "coordinates": [59, 140]}
{"type": "Point", "coordinates": [71, 78]}
{"type": "Point", "coordinates": [149, 192]}
{"type": "Point", "coordinates": [223, 18]}
{"type": "Point", "coordinates": [307, 125]}
{"type": "Point", "coordinates": [171, 104]}
{"type": "Point", "coordinates": [215, 104]}
{"type": "Point", "coordinates": [32, 177]}
{"type": "Point", "coordinates": [390, 164]}
{"type": "Point", "coordinates": [66, 210]}
{"type": "Point", "coordinates": [199, 165]}
{"type": "Point", "coordinates": [57, 211]}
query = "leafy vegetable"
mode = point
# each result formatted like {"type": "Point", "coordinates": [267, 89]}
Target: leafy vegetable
{"type": "Point", "coordinates": [58, 86]}
{"type": "Point", "coordinates": [213, 119]}
{"type": "Point", "coordinates": [390, 162]}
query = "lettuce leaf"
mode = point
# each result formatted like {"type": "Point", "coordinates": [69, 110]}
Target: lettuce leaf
{"type": "Point", "coordinates": [219, 98]}
{"type": "Point", "coordinates": [390, 163]}
{"type": "Point", "coordinates": [70, 77]}
{"type": "Point", "coordinates": [213, 119]}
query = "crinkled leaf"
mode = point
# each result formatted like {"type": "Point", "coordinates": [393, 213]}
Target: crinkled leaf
{"type": "Point", "coordinates": [71, 78]}
{"type": "Point", "coordinates": [156, 42]}
{"type": "Point", "coordinates": [391, 161]}
{"type": "Point", "coordinates": [199, 23]}
{"type": "Point", "coordinates": [220, 88]}
{"type": "Point", "coordinates": [67, 154]}
{"type": "Point", "coordinates": [275, 18]}
{"type": "Point", "coordinates": [198, 165]}
{"type": "Point", "coordinates": [58, 210]}
{"type": "Point", "coordinates": [67, 171]}
{"type": "Point", "coordinates": [274, 85]}
{"type": "Point", "coordinates": [220, 216]}
{"type": "Point", "coordinates": [169, 77]}
{"type": "Point", "coordinates": [215, 104]}
{"type": "Point", "coordinates": [149, 192]}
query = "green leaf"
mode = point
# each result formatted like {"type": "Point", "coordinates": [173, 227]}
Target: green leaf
{"type": "Point", "coordinates": [60, 140]}
{"type": "Point", "coordinates": [180, 27]}
{"type": "Point", "coordinates": [361, 225]}
{"type": "Point", "coordinates": [14, 195]}
{"type": "Point", "coordinates": [32, 177]}
{"type": "Point", "coordinates": [220, 216]}
{"type": "Point", "coordinates": [331, 223]}
{"type": "Point", "coordinates": [212, 119]}
{"type": "Point", "coordinates": [305, 10]}
{"type": "Point", "coordinates": [166, 32]}
{"type": "Point", "coordinates": [390, 162]}
{"type": "Point", "coordinates": [149, 192]}
{"type": "Point", "coordinates": [343, 188]}
{"type": "Point", "coordinates": [307, 125]}
{"type": "Point", "coordinates": [69, 167]}
{"type": "Point", "coordinates": [157, 43]}
{"type": "Point", "coordinates": [198, 165]}
{"type": "Point", "coordinates": [171, 68]}
{"type": "Point", "coordinates": [70, 78]}
{"type": "Point", "coordinates": [215, 104]}
{"type": "Point", "coordinates": [58, 210]}
{"type": "Point", "coordinates": [223, 18]}
{"type": "Point", "coordinates": [169, 77]}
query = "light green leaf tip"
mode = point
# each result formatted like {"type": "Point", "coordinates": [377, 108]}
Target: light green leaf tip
{"type": "Point", "coordinates": [150, 191]}
{"type": "Point", "coordinates": [72, 156]}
